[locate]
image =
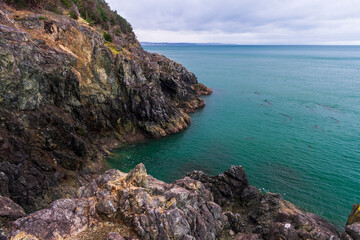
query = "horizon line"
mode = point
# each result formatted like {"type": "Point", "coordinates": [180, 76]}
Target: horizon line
{"type": "Point", "coordinates": [238, 44]}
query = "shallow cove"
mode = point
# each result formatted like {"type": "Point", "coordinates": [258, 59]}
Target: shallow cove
{"type": "Point", "coordinates": [288, 114]}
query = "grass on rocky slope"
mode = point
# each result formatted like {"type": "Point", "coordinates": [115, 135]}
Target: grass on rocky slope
{"type": "Point", "coordinates": [114, 49]}
{"type": "Point", "coordinates": [95, 12]}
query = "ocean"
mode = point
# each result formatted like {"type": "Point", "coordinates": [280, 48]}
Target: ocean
{"type": "Point", "coordinates": [290, 115]}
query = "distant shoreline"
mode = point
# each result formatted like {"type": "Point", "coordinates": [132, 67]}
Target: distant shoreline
{"type": "Point", "coordinates": [240, 45]}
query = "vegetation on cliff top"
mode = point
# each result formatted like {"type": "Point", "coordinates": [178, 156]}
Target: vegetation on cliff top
{"type": "Point", "coordinates": [95, 12]}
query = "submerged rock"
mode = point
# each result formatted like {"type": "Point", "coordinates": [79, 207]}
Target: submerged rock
{"type": "Point", "coordinates": [138, 206]}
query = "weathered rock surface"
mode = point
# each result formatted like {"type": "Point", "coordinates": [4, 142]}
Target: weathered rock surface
{"type": "Point", "coordinates": [9, 211]}
{"type": "Point", "coordinates": [352, 228]}
{"type": "Point", "coordinates": [138, 206]}
{"type": "Point", "coordinates": [66, 96]}
{"type": "Point", "coordinates": [261, 216]}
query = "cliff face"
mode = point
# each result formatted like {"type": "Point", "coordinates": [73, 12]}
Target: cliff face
{"type": "Point", "coordinates": [66, 95]}
{"type": "Point", "coordinates": [137, 206]}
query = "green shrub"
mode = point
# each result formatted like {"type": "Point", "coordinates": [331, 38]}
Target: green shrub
{"type": "Point", "coordinates": [57, 11]}
{"type": "Point", "coordinates": [90, 21]}
{"type": "Point", "coordinates": [66, 3]}
{"type": "Point", "coordinates": [18, 3]}
{"type": "Point", "coordinates": [73, 15]}
{"type": "Point", "coordinates": [95, 12]}
{"type": "Point", "coordinates": [124, 25]}
{"type": "Point", "coordinates": [42, 18]}
{"type": "Point", "coordinates": [103, 14]}
{"type": "Point", "coordinates": [118, 32]}
{"type": "Point", "coordinates": [107, 37]}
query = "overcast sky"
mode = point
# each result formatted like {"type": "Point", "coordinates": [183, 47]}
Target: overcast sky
{"type": "Point", "coordinates": [243, 21]}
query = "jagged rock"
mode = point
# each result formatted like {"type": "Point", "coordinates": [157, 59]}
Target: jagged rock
{"type": "Point", "coordinates": [31, 22]}
{"type": "Point", "coordinates": [352, 231]}
{"type": "Point", "coordinates": [352, 228]}
{"type": "Point", "coordinates": [245, 236]}
{"type": "Point", "coordinates": [185, 209]}
{"type": "Point", "coordinates": [138, 176]}
{"type": "Point", "coordinates": [225, 186]}
{"type": "Point", "coordinates": [265, 216]}
{"type": "Point", "coordinates": [65, 217]}
{"type": "Point", "coordinates": [9, 209]}
{"type": "Point", "coordinates": [114, 236]}
{"type": "Point", "coordinates": [4, 183]}
{"type": "Point", "coordinates": [354, 215]}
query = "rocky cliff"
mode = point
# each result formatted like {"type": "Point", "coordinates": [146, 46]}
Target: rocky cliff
{"type": "Point", "coordinates": [75, 82]}
{"type": "Point", "coordinates": [70, 89]}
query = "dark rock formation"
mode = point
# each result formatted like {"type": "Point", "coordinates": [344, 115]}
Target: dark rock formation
{"type": "Point", "coordinates": [138, 206]}
{"type": "Point", "coordinates": [352, 228]}
{"type": "Point", "coordinates": [261, 216]}
{"type": "Point", "coordinates": [66, 96]}
{"type": "Point", "coordinates": [9, 211]}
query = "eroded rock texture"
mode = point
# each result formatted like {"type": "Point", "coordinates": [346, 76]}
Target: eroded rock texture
{"type": "Point", "coordinates": [66, 95]}
{"type": "Point", "coordinates": [137, 206]}
{"type": "Point", "coordinates": [9, 211]}
{"type": "Point", "coordinates": [352, 228]}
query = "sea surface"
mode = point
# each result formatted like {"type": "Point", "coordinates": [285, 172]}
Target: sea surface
{"type": "Point", "coordinates": [290, 115]}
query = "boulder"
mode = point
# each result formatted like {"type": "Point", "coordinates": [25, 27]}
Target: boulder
{"type": "Point", "coordinates": [9, 209]}
{"type": "Point", "coordinates": [352, 228]}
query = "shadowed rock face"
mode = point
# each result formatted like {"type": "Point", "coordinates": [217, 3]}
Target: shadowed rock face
{"type": "Point", "coordinates": [352, 228]}
{"type": "Point", "coordinates": [138, 206]}
{"type": "Point", "coordinates": [66, 96]}
{"type": "Point", "coordinates": [9, 211]}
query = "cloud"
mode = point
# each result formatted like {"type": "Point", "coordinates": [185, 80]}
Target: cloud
{"type": "Point", "coordinates": [243, 21]}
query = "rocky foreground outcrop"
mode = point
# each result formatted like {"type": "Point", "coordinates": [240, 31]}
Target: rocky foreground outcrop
{"type": "Point", "coordinates": [67, 96]}
{"type": "Point", "coordinates": [117, 205]}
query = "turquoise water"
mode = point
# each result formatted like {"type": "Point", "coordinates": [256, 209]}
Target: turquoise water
{"type": "Point", "coordinates": [288, 114]}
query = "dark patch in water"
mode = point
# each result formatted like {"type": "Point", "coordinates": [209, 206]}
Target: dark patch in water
{"type": "Point", "coordinates": [257, 93]}
{"type": "Point", "coordinates": [316, 127]}
{"type": "Point", "coordinates": [268, 102]}
{"type": "Point", "coordinates": [335, 119]}
{"type": "Point", "coordinates": [326, 106]}
{"type": "Point", "coordinates": [310, 108]}
{"type": "Point", "coordinates": [286, 116]}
